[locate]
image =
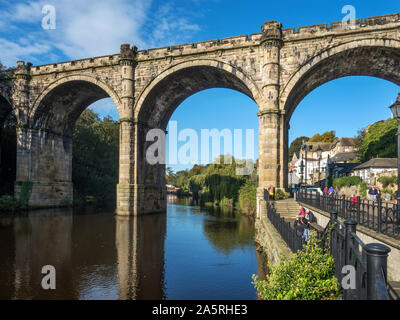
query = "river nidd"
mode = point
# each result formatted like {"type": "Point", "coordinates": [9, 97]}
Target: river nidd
{"type": "Point", "coordinates": [188, 253]}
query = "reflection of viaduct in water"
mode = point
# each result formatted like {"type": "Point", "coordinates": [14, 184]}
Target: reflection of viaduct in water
{"type": "Point", "coordinates": [83, 255]}
{"type": "Point", "coordinates": [42, 238]}
{"type": "Point", "coordinates": [140, 247]}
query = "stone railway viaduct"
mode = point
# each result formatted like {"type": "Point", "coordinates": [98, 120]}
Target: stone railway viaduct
{"type": "Point", "coordinates": [276, 68]}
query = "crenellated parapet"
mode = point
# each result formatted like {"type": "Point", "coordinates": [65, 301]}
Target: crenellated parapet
{"type": "Point", "coordinates": [336, 28]}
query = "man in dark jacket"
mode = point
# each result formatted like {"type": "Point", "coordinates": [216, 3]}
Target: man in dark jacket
{"type": "Point", "coordinates": [373, 193]}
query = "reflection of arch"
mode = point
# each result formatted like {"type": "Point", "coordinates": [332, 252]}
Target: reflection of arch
{"type": "Point", "coordinates": [163, 95]}
{"type": "Point", "coordinates": [61, 103]}
{"type": "Point", "coordinates": [368, 57]}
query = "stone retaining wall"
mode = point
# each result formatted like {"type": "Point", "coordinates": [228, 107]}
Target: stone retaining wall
{"type": "Point", "coordinates": [271, 241]}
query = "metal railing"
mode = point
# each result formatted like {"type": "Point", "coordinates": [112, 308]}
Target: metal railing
{"type": "Point", "coordinates": [380, 216]}
{"type": "Point", "coordinates": [289, 234]}
{"type": "Point", "coordinates": [368, 262]}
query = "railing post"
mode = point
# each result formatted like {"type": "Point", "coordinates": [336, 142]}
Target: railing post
{"type": "Point", "coordinates": [358, 209]}
{"type": "Point", "coordinates": [379, 209]}
{"type": "Point", "coordinates": [377, 255]}
{"type": "Point", "coordinates": [350, 227]}
{"type": "Point", "coordinates": [344, 213]}
{"type": "Point", "coordinates": [333, 216]}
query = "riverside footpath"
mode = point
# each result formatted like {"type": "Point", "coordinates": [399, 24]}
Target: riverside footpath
{"type": "Point", "coordinates": [277, 237]}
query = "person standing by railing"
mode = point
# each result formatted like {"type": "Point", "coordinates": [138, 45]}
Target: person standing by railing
{"type": "Point", "coordinates": [271, 192]}
{"type": "Point", "coordinates": [302, 224]}
{"type": "Point", "coordinates": [373, 194]}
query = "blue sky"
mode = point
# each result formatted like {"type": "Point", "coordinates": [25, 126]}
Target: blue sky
{"type": "Point", "coordinates": [98, 27]}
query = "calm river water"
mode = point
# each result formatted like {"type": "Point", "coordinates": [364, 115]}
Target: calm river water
{"type": "Point", "coordinates": [189, 253]}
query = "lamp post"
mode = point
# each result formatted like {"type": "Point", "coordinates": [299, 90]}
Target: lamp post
{"type": "Point", "coordinates": [302, 170]}
{"type": "Point", "coordinates": [319, 153]}
{"type": "Point", "coordinates": [395, 108]}
{"type": "Point", "coordinates": [306, 148]}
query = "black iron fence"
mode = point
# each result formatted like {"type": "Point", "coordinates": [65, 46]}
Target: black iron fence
{"type": "Point", "coordinates": [380, 216]}
{"type": "Point", "coordinates": [366, 263]}
{"type": "Point", "coordinates": [293, 238]}
{"type": "Point", "coordinates": [360, 268]}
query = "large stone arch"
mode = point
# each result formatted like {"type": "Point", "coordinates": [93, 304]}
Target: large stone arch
{"type": "Point", "coordinates": [60, 104]}
{"type": "Point", "coordinates": [44, 145]}
{"type": "Point", "coordinates": [167, 91]}
{"type": "Point", "coordinates": [367, 57]}
{"type": "Point", "coordinates": [157, 102]}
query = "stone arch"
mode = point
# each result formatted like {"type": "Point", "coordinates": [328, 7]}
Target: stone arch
{"type": "Point", "coordinates": [167, 91]}
{"type": "Point", "coordinates": [157, 102]}
{"type": "Point", "coordinates": [60, 104]}
{"type": "Point", "coordinates": [45, 142]}
{"type": "Point", "coordinates": [367, 57]}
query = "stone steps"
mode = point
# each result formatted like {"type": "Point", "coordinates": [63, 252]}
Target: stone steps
{"type": "Point", "coordinates": [287, 209]}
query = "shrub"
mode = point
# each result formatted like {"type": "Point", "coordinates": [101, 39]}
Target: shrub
{"type": "Point", "coordinates": [387, 180]}
{"type": "Point", "coordinates": [9, 203]}
{"type": "Point", "coordinates": [346, 182]}
{"type": "Point", "coordinates": [281, 194]}
{"type": "Point", "coordinates": [248, 198]}
{"type": "Point", "coordinates": [387, 190]}
{"type": "Point", "coordinates": [308, 275]}
{"type": "Point", "coordinates": [363, 189]}
{"type": "Point", "coordinates": [26, 191]}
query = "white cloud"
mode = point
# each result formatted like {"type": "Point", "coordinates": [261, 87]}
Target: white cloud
{"type": "Point", "coordinates": [29, 12]}
{"type": "Point", "coordinates": [88, 28]}
{"type": "Point", "coordinates": [13, 51]}
{"type": "Point", "coordinates": [170, 27]}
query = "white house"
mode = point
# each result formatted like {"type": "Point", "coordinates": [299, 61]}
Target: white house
{"type": "Point", "coordinates": [369, 171]}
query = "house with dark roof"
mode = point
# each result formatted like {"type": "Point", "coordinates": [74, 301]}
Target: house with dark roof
{"type": "Point", "coordinates": [369, 171]}
{"type": "Point", "coordinates": [344, 145]}
{"type": "Point", "coordinates": [344, 157]}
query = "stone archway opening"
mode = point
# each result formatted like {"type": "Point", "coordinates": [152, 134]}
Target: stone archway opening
{"type": "Point", "coordinates": [375, 61]}
{"type": "Point", "coordinates": [352, 62]}
{"type": "Point", "coordinates": [47, 142]}
{"type": "Point", "coordinates": [155, 111]}
{"type": "Point", "coordinates": [7, 147]}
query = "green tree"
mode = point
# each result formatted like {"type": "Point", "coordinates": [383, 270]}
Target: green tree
{"type": "Point", "coordinates": [296, 145]}
{"type": "Point", "coordinates": [95, 157]}
{"type": "Point", "coordinates": [379, 140]}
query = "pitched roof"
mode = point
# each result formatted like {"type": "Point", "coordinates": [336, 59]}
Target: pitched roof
{"type": "Point", "coordinates": [348, 142]}
{"type": "Point", "coordinates": [378, 163]}
{"type": "Point", "coordinates": [343, 156]}
{"type": "Point", "coordinates": [325, 146]}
